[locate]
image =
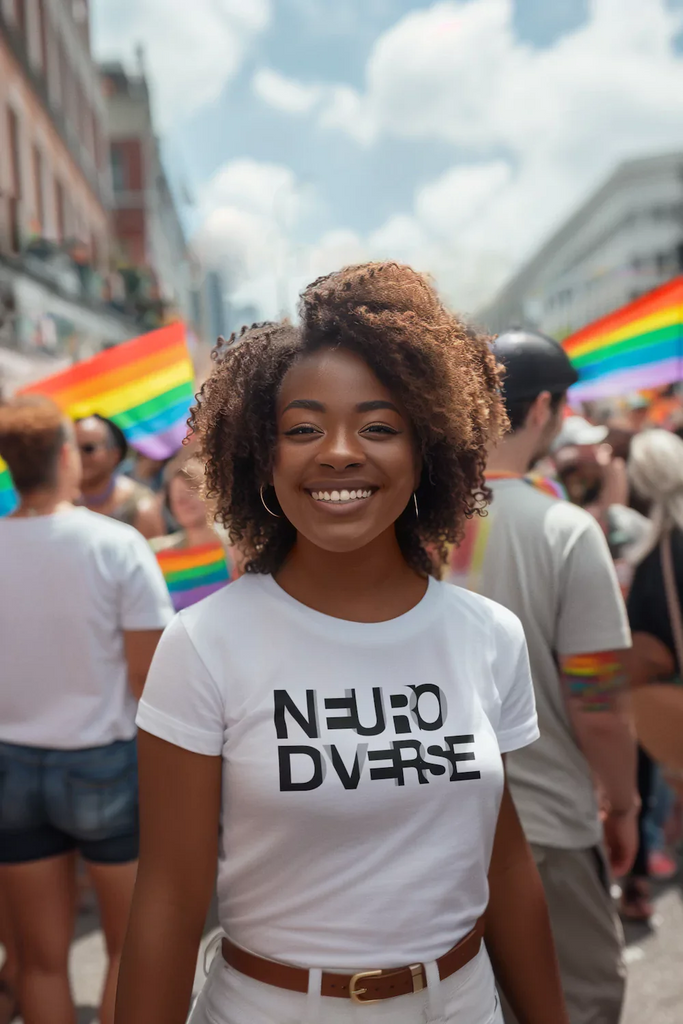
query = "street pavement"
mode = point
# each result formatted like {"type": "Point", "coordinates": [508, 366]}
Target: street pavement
{"type": "Point", "coordinates": [654, 956]}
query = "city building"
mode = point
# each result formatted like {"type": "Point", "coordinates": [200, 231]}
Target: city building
{"type": "Point", "coordinates": [55, 188]}
{"type": "Point", "coordinates": [150, 248]}
{"type": "Point", "coordinates": [623, 241]}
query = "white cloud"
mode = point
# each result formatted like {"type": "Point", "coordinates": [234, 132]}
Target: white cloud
{"type": "Point", "coordinates": [190, 52]}
{"type": "Point", "coordinates": [285, 94]}
{"type": "Point", "coordinates": [345, 109]}
{"type": "Point", "coordinates": [249, 211]}
{"type": "Point", "coordinates": [532, 131]}
{"type": "Point", "coordinates": [561, 118]}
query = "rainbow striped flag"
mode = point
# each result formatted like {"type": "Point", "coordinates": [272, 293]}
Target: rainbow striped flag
{"type": "Point", "coordinates": [145, 386]}
{"type": "Point", "coordinates": [193, 573]}
{"type": "Point", "coordinates": [638, 346]}
{"type": "Point", "coordinates": [8, 496]}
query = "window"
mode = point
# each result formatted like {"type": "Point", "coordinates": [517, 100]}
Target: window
{"type": "Point", "coordinates": [15, 180]}
{"type": "Point", "coordinates": [119, 168]}
{"type": "Point", "coordinates": [20, 15]}
{"type": "Point", "coordinates": [39, 186]}
{"type": "Point", "coordinates": [60, 211]}
{"type": "Point", "coordinates": [42, 35]}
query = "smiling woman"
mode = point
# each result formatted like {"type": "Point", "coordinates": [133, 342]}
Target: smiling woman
{"type": "Point", "coordinates": [428, 380]}
{"type": "Point", "coordinates": [341, 712]}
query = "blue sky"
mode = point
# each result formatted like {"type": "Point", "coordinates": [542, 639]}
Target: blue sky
{"type": "Point", "coordinates": [453, 134]}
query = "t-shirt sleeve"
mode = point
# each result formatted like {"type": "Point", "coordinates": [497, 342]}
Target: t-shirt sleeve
{"type": "Point", "coordinates": [181, 702]}
{"type": "Point", "coordinates": [144, 602]}
{"type": "Point", "coordinates": [518, 723]}
{"type": "Point", "coordinates": [592, 615]}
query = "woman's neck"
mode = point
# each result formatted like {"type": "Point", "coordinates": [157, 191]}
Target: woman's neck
{"type": "Point", "coordinates": [196, 536]}
{"type": "Point", "coordinates": [369, 585]}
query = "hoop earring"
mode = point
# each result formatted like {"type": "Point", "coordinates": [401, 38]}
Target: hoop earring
{"type": "Point", "coordinates": [417, 511]}
{"type": "Point", "coordinates": [263, 502]}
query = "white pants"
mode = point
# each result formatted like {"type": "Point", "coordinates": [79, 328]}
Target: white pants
{"type": "Point", "coordinates": [467, 997]}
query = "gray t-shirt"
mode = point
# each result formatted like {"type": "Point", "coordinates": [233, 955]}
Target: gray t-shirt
{"type": "Point", "coordinates": [548, 561]}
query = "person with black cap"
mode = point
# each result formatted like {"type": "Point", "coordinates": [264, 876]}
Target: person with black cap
{"type": "Point", "coordinates": [105, 489]}
{"type": "Point", "coordinates": [548, 561]}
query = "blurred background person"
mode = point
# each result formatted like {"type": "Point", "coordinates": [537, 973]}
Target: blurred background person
{"type": "Point", "coordinates": [595, 478]}
{"type": "Point", "coordinates": [203, 561]}
{"type": "Point", "coordinates": [104, 488]}
{"type": "Point", "coordinates": [547, 561]}
{"type": "Point", "coordinates": [656, 471]}
{"type": "Point", "coordinates": [9, 1003]}
{"type": "Point", "coordinates": [145, 470]}
{"type": "Point", "coordinates": [82, 607]}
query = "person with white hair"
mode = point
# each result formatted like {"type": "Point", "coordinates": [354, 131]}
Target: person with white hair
{"type": "Point", "coordinates": [654, 605]}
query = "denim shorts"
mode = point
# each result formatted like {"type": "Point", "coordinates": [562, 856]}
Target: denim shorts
{"type": "Point", "coordinates": [55, 801]}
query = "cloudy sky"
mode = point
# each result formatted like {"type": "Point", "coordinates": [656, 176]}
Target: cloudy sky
{"type": "Point", "coordinates": [455, 134]}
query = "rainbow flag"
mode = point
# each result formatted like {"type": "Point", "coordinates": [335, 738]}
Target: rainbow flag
{"type": "Point", "coordinates": [193, 573]}
{"type": "Point", "coordinates": [8, 496]}
{"type": "Point", "coordinates": [145, 386]}
{"type": "Point", "coordinates": [638, 346]}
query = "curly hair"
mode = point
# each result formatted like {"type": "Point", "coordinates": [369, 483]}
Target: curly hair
{"type": "Point", "coordinates": [441, 370]}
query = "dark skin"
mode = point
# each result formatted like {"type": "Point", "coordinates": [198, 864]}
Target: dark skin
{"type": "Point", "coordinates": [340, 431]}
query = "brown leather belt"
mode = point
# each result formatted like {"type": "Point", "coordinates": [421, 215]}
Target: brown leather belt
{"type": "Point", "coordinates": [363, 987]}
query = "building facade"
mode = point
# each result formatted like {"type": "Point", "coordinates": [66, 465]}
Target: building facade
{"type": "Point", "coordinates": [55, 187]}
{"type": "Point", "coordinates": [623, 241]}
{"type": "Point", "coordinates": [149, 240]}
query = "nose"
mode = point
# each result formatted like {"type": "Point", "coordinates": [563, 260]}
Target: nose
{"type": "Point", "coordinates": [341, 449]}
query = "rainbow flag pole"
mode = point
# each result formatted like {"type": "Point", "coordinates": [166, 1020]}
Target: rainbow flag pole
{"type": "Point", "coordinates": [145, 386]}
{"type": "Point", "coordinates": [638, 346]}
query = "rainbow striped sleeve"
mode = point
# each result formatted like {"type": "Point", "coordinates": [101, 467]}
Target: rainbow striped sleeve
{"type": "Point", "coordinates": [194, 573]}
{"type": "Point", "coordinates": [594, 679]}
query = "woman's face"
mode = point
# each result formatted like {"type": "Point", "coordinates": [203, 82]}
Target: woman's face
{"type": "Point", "coordinates": [346, 463]}
{"type": "Point", "coordinates": [187, 506]}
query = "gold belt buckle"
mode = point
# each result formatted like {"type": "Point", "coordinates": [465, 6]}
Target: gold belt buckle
{"type": "Point", "coordinates": [356, 993]}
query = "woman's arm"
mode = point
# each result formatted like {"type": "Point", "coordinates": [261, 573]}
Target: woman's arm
{"type": "Point", "coordinates": [180, 794]}
{"type": "Point", "coordinates": [518, 935]}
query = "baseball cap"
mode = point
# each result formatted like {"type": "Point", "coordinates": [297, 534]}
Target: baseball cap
{"type": "Point", "coordinates": [578, 432]}
{"type": "Point", "coordinates": [533, 363]}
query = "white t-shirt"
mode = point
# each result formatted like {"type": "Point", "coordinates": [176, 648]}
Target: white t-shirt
{"type": "Point", "coordinates": [548, 562]}
{"type": "Point", "coordinates": [362, 774]}
{"type": "Point", "coordinates": [72, 582]}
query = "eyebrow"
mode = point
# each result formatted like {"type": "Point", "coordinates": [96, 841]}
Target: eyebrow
{"type": "Point", "coordinates": [313, 406]}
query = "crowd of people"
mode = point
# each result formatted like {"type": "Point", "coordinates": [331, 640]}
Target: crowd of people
{"type": "Point", "coordinates": [412, 795]}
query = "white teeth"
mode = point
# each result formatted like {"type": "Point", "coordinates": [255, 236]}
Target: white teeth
{"type": "Point", "coordinates": [340, 497]}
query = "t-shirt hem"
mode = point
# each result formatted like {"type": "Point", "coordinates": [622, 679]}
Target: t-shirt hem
{"type": "Point", "coordinates": [181, 735]}
{"type": "Point", "coordinates": [611, 642]}
{"type": "Point", "coordinates": [515, 739]}
{"type": "Point", "coordinates": [555, 842]}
